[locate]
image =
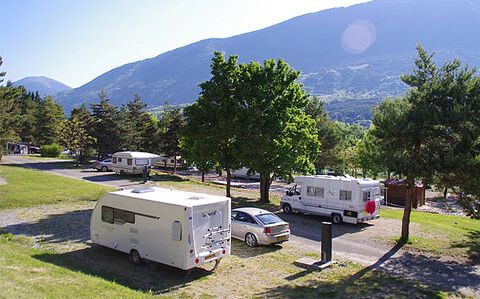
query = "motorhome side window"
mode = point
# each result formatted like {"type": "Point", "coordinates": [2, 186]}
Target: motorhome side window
{"type": "Point", "coordinates": [129, 161]}
{"type": "Point", "coordinates": [345, 195]}
{"type": "Point", "coordinates": [366, 195]}
{"type": "Point", "coordinates": [315, 191]}
{"type": "Point", "coordinates": [119, 160]}
{"type": "Point", "coordinates": [114, 159]}
{"type": "Point", "coordinates": [141, 162]}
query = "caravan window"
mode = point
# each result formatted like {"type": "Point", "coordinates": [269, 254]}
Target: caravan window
{"type": "Point", "coordinates": [141, 162]}
{"type": "Point", "coordinates": [315, 191]}
{"type": "Point", "coordinates": [345, 195]}
{"type": "Point", "coordinates": [107, 214]}
{"type": "Point", "coordinates": [114, 159]}
{"type": "Point", "coordinates": [123, 216]}
{"type": "Point", "coordinates": [129, 161]}
{"type": "Point", "coordinates": [119, 160]}
{"type": "Point", "coordinates": [366, 195]}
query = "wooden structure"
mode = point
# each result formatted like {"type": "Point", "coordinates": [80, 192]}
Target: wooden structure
{"type": "Point", "coordinates": [397, 193]}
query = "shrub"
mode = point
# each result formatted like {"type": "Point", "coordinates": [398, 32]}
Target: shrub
{"type": "Point", "coordinates": [52, 150]}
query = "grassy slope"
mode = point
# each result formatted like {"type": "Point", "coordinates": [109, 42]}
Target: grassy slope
{"type": "Point", "coordinates": [28, 187]}
{"type": "Point", "coordinates": [443, 234]}
{"type": "Point", "coordinates": [248, 272]}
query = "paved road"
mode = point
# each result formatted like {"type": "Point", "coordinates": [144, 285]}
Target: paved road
{"type": "Point", "coordinates": [449, 276]}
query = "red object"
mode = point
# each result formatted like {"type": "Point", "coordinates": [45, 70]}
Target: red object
{"type": "Point", "coordinates": [267, 230]}
{"type": "Point", "coordinates": [196, 261]}
{"type": "Point", "coordinates": [223, 251]}
{"type": "Point", "coordinates": [191, 250]}
{"type": "Point", "coordinates": [97, 163]}
{"type": "Point", "coordinates": [370, 207]}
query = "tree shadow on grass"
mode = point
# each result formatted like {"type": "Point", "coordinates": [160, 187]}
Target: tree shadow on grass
{"type": "Point", "coordinates": [473, 246]}
{"type": "Point", "coordinates": [114, 266]}
{"type": "Point", "coordinates": [241, 250]}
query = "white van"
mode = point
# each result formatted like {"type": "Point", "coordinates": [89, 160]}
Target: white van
{"type": "Point", "coordinates": [132, 162]}
{"type": "Point", "coordinates": [176, 228]}
{"type": "Point", "coordinates": [345, 199]}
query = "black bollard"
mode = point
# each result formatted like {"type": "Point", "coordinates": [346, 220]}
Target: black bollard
{"type": "Point", "coordinates": [326, 242]}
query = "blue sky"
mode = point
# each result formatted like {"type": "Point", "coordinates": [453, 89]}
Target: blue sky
{"type": "Point", "coordinates": [75, 41]}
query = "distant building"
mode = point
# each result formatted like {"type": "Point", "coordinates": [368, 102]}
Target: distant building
{"type": "Point", "coordinates": [22, 148]}
{"type": "Point", "coordinates": [397, 193]}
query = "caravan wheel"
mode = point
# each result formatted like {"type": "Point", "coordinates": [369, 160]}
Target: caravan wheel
{"type": "Point", "coordinates": [135, 257]}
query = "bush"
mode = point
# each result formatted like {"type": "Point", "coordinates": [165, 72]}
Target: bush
{"type": "Point", "coordinates": [52, 150]}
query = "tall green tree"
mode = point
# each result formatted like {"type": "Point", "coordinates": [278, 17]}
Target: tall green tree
{"type": "Point", "coordinates": [50, 121]}
{"type": "Point", "coordinates": [174, 122]}
{"type": "Point", "coordinates": [75, 136]}
{"type": "Point", "coordinates": [10, 117]}
{"type": "Point", "coordinates": [212, 126]}
{"type": "Point", "coordinates": [276, 136]}
{"type": "Point", "coordinates": [432, 126]}
{"type": "Point", "coordinates": [107, 130]}
{"type": "Point", "coordinates": [142, 126]}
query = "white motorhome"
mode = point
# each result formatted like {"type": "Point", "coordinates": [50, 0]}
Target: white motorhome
{"type": "Point", "coordinates": [176, 228]}
{"type": "Point", "coordinates": [132, 162]}
{"type": "Point", "coordinates": [345, 199]}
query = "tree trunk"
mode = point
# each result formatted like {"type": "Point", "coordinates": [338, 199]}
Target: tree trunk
{"type": "Point", "coordinates": [229, 179]}
{"type": "Point", "coordinates": [174, 164]}
{"type": "Point", "coordinates": [265, 182]}
{"type": "Point", "coordinates": [445, 193]}
{"type": "Point", "coordinates": [388, 174]}
{"type": "Point", "coordinates": [408, 209]}
{"type": "Point", "coordinates": [203, 176]}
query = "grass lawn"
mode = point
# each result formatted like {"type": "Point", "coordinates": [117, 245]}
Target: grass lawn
{"type": "Point", "coordinates": [248, 272]}
{"type": "Point", "coordinates": [27, 187]}
{"type": "Point", "coordinates": [38, 157]}
{"type": "Point", "coordinates": [442, 234]}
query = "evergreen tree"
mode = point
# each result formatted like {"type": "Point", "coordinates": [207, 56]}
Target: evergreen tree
{"type": "Point", "coordinates": [143, 129]}
{"type": "Point", "coordinates": [174, 122]}
{"type": "Point", "coordinates": [50, 121]}
{"type": "Point", "coordinates": [107, 131]}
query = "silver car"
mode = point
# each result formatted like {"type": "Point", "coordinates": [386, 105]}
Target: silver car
{"type": "Point", "coordinates": [258, 227]}
{"type": "Point", "coordinates": [103, 165]}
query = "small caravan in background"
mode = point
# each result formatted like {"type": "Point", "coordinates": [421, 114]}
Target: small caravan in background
{"type": "Point", "coordinates": [176, 228]}
{"type": "Point", "coordinates": [345, 199]}
{"type": "Point", "coordinates": [132, 162]}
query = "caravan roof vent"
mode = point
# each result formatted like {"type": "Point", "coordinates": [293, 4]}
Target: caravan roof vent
{"type": "Point", "coordinates": [195, 197]}
{"type": "Point", "coordinates": [143, 190]}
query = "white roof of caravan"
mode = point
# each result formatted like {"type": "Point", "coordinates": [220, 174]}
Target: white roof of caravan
{"type": "Point", "coordinates": [175, 197]}
{"type": "Point", "coordinates": [336, 178]}
{"type": "Point", "coordinates": [136, 155]}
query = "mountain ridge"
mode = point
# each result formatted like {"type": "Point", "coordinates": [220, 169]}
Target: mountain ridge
{"type": "Point", "coordinates": [44, 85]}
{"type": "Point", "coordinates": [323, 45]}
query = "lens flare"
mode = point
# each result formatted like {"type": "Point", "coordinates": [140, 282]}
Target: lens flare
{"type": "Point", "coordinates": [358, 36]}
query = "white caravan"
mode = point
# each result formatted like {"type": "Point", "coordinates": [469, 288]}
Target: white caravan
{"type": "Point", "coordinates": [345, 199]}
{"type": "Point", "coordinates": [132, 162]}
{"type": "Point", "coordinates": [176, 228]}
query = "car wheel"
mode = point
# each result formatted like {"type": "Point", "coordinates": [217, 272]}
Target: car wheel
{"type": "Point", "coordinates": [337, 219]}
{"type": "Point", "coordinates": [287, 209]}
{"type": "Point", "coordinates": [104, 169]}
{"type": "Point", "coordinates": [251, 240]}
{"type": "Point", "coordinates": [135, 257]}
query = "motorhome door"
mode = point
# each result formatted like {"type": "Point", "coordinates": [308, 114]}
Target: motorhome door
{"type": "Point", "coordinates": [313, 196]}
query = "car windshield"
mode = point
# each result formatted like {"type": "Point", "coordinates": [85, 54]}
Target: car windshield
{"type": "Point", "coordinates": [268, 218]}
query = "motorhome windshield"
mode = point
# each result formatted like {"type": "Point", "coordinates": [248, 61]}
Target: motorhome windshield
{"type": "Point", "coordinates": [268, 218]}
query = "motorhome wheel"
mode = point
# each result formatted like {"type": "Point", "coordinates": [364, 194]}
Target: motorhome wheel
{"type": "Point", "coordinates": [104, 168]}
{"type": "Point", "coordinates": [251, 240]}
{"type": "Point", "coordinates": [337, 219]}
{"type": "Point", "coordinates": [287, 209]}
{"type": "Point", "coordinates": [135, 257]}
